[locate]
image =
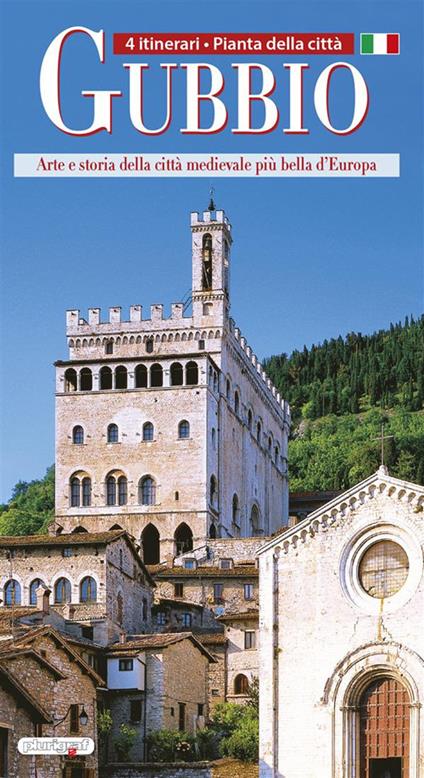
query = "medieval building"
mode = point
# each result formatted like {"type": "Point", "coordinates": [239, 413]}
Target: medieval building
{"type": "Point", "coordinates": [342, 639]}
{"type": "Point", "coordinates": [169, 427]}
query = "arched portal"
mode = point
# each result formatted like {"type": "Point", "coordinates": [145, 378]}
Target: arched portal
{"type": "Point", "coordinates": [150, 539]}
{"type": "Point", "coordinates": [384, 713]}
{"type": "Point", "coordinates": [183, 539]}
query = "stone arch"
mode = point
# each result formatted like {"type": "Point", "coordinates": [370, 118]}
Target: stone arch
{"type": "Point", "coordinates": [183, 537]}
{"type": "Point", "coordinates": [344, 692]}
{"type": "Point", "coordinates": [241, 684]}
{"type": "Point", "coordinates": [78, 529]}
{"type": "Point", "coordinates": [255, 521]}
{"type": "Point", "coordinates": [150, 543]}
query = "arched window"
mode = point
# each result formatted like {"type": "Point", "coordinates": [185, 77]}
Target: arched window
{"type": "Point", "coordinates": [183, 539]}
{"type": "Point", "coordinates": [184, 429]}
{"type": "Point", "coordinates": [255, 527]}
{"type": "Point", "coordinates": [86, 380]}
{"type": "Point", "coordinates": [258, 432]}
{"type": "Point", "coordinates": [34, 585]}
{"type": "Point", "coordinates": [235, 510]}
{"type": "Point", "coordinates": [207, 262]}
{"type": "Point", "coordinates": [236, 403]}
{"type": "Point", "coordinates": [75, 492]}
{"type": "Point", "coordinates": [147, 491]}
{"type": "Point", "coordinates": [12, 593]}
{"type": "Point", "coordinates": [112, 433]}
{"type": "Point", "coordinates": [86, 492]}
{"type": "Point", "coordinates": [149, 346]}
{"type": "Point", "coordinates": [213, 491]}
{"type": "Point", "coordinates": [270, 443]}
{"type": "Point", "coordinates": [177, 375]}
{"type": "Point", "coordinates": [111, 490]}
{"type": "Point", "coordinates": [227, 389]}
{"type": "Point", "coordinates": [121, 377]}
{"type": "Point", "coordinates": [141, 377]}
{"type": "Point", "coordinates": [78, 435]}
{"type": "Point", "coordinates": [150, 540]}
{"type": "Point", "coordinates": [109, 347]}
{"type": "Point", "coordinates": [62, 591]}
{"type": "Point", "coordinates": [148, 431]}
{"type": "Point", "coordinates": [249, 419]}
{"type": "Point", "coordinates": [241, 684]}
{"type": "Point", "coordinates": [192, 373]}
{"type": "Point", "coordinates": [122, 490]}
{"type": "Point", "coordinates": [105, 378]}
{"type": "Point", "coordinates": [70, 380]}
{"type": "Point", "coordinates": [88, 589]}
{"type": "Point", "coordinates": [156, 375]}
{"type": "Point", "coordinates": [276, 455]}
{"type": "Point", "coordinates": [212, 532]}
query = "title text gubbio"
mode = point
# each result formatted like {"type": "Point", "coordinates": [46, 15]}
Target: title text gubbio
{"type": "Point", "coordinates": [195, 73]}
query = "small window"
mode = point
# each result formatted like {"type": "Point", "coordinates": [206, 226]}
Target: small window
{"type": "Point", "coordinates": [161, 618]}
{"type": "Point", "coordinates": [181, 716]}
{"type": "Point", "coordinates": [226, 564]}
{"type": "Point", "coordinates": [86, 492]}
{"type": "Point", "coordinates": [87, 632]}
{"type": "Point", "coordinates": [135, 711]}
{"type": "Point", "coordinates": [248, 591]}
{"type": "Point", "coordinates": [178, 590]}
{"type": "Point", "coordinates": [67, 551]}
{"type": "Point", "coordinates": [200, 709]}
{"type": "Point", "coordinates": [74, 722]}
{"type": "Point", "coordinates": [249, 639]}
{"type": "Point", "coordinates": [218, 591]}
{"type": "Point", "coordinates": [187, 619]}
{"type": "Point", "coordinates": [215, 692]}
{"type": "Point", "coordinates": [201, 345]}
{"type": "Point", "coordinates": [189, 564]}
{"type": "Point", "coordinates": [258, 432]}
{"type": "Point", "coordinates": [78, 435]}
{"type": "Point", "coordinates": [149, 346]}
{"type": "Point", "coordinates": [249, 419]}
{"type": "Point", "coordinates": [241, 684]}
{"type": "Point", "coordinates": [109, 347]}
{"type": "Point", "coordinates": [111, 490]}
{"type": "Point", "coordinates": [236, 403]}
{"type": "Point", "coordinates": [213, 436]}
{"type": "Point", "coordinates": [145, 609]}
{"type": "Point", "coordinates": [126, 665]}
{"type": "Point", "coordinates": [75, 493]}
{"type": "Point", "coordinates": [122, 490]}
{"type": "Point", "coordinates": [183, 429]}
{"type": "Point", "coordinates": [112, 433]}
{"type": "Point", "coordinates": [148, 431]}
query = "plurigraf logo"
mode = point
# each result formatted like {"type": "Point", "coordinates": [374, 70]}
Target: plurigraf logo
{"type": "Point", "coordinates": [75, 746]}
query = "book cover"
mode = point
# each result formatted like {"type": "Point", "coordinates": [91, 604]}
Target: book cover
{"type": "Point", "coordinates": [211, 533]}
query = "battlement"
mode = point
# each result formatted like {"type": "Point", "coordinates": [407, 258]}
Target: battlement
{"type": "Point", "coordinates": [257, 367]}
{"type": "Point", "coordinates": [209, 217]}
{"type": "Point", "coordinates": [76, 324]}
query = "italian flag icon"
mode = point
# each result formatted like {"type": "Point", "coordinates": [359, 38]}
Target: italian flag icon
{"type": "Point", "coordinates": [380, 43]}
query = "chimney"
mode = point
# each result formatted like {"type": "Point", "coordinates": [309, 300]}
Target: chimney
{"type": "Point", "coordinates": [43, 598]}
{"type": "Point", "coordinates": [122, 638]}
{"type": "Point", "coordinates": [69, 611]}
{"type": "Point", "coordinates": [170, 561]}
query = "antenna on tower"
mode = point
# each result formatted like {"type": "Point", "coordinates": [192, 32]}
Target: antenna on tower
{"type": "Point", "coordinates": [211, 206]}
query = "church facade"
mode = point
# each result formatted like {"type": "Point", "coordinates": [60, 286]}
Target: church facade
{"type": "Point", "coordinates": [342, 638]}
{"type": "Point", "coordinates": [168, 427]}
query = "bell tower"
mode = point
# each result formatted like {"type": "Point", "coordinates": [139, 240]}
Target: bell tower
{"type": "Point", "coordinates": [211, 249]}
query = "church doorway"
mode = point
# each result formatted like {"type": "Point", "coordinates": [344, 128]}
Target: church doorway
{"type": "Point", "coordinates": [151, 542]}
{"type": "Point", "coordinates": [384, 711]}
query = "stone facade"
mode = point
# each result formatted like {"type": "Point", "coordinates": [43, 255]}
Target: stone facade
{"type": "Point", "coordinates": [194, 770]}
{"type": "Point", "coordinates": [224, 471]}
{"type": "Point", "coordinates": [332, 630]}
{"type": "Point", "coordinates": [172, 697]}
{"type": "Point", "coordinates": [49, 674]}
{"type": "Point", "coordinates": [122, 595]}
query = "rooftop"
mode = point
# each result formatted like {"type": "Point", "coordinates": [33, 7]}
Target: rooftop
{"type": "Point", "coordinates": [136, 643]}
{"type": "Point", "coordinates": [206, 571]}
{"type": "Point", "coordinates": [71, 539]}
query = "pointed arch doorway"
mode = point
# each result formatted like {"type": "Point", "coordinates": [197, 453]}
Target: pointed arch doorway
{"type": "Point", "coordinates": [384, 718]}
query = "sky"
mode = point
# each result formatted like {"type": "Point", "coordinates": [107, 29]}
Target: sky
{"type": "Point", "coordinates": [312, 258]}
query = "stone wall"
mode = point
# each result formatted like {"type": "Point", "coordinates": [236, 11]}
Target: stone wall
{"type": "Point", "coordinates": [193, 770]}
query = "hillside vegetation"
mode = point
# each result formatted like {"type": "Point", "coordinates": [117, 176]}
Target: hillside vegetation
{"type": "Point", "coordinates": [340, 393]}
{"type": "Point", "coordinates": [31, 507]}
